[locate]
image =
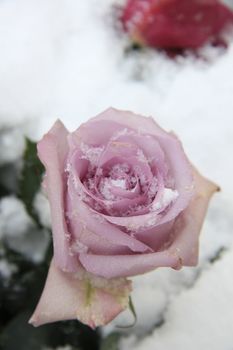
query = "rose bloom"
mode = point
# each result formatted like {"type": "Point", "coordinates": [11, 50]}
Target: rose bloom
{"type": "Point", "coordinates": [124, 200]}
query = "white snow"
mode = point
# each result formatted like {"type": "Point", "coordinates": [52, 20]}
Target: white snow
{"type": "Point", "coordinates": [119, 183]}
{"type": "Point", "coordinates": [168, 197]}
{"type": "Point", "coordinates": [64, 59]}
{"type": "Point", "coordinates": [41, 204]}
{"type": "Point", "coordinates": [7, 269]}
{"type": "Point", "coordinates": [199, 317]}
{"type": "Point", "coordinates": [91, 153]}
{"type": "Point", "coordinates": [19, 232]}
{"type": "Point", "coordinates": [14, 220]}
{"type": "Point", "coordinates": [11, 144]}
{"type": "Point", "coordinates": [105, 189]}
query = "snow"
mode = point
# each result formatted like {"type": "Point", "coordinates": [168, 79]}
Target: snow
{"type": "Point", "coordinates": [14, 220]}
{"type": "Point", "coordinates": [41, 206]}
{"type": "Point", "coordinates": [119, 183]}
{"type": "Point", "coordinates": [198, 317]}
{"type": "Point", "coordinates": [168, 197]}
{"type": "Point", "coordinates": [105, 189]}
{"type": "Point", "coordinates": [7, 269]}
{"type": "Point", "coordinates": [64, 59]}
{"type": "Point", "coordinates": [91, 153]}
{"type": "Point", "coordinates": [19, 232]}
{"type": "Point", "coordinates": [9, 137]}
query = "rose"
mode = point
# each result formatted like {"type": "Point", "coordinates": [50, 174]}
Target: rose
{"type": "Point", "coordinates": [124, 200]}
{"type": "Point", "coordinates": [176, 24]}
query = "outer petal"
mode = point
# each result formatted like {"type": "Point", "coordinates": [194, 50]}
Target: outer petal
{"type": "Point", "coordinates": [183, 250]}
{"type": "Point", "coordinates": [144, 125]}
{"type": "Point", "coordinates": [188, 225]}
{"type": "Point", "coordinates": [94, 301]}
{"type": "Point", "coordinates": [127, 265]}
{"type": "Point", "coordinates": [156, 237]}
{"type": "Point", "coordinates": [52, 151]}
{"type": "Point", "coordinates": [93, 132]}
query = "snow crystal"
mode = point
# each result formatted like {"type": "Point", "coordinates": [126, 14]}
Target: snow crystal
{"type": "Point", "coordinates": [168, 197]}
{"type": "Point", "coordinates": [122, 132]}
{"type": "Point", "coordinates": [91, 153]}
{"type": "Point", "coordinates": [7, 269]}
{"type": "Point", "coordinates": [119, 170]}
{"type": "Point", "coordinates": [119, 183]}
{"type": "Point", "coordinates": [105, 189]}
{"type": "Point", "coordinates": [79, 247]}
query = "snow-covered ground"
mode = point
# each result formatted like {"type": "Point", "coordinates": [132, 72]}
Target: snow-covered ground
{"type": "Point", "coordinates": [65, 59]}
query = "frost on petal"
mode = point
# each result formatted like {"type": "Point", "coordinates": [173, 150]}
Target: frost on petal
{"type": "Point", "coordinates": [92, 300]}
{"type": "Point", "coordinates": [182, 252]}
{"type": "Point", "coordinates": [110, 123]}
{"type": "Point", "coordinates": [98, 225]}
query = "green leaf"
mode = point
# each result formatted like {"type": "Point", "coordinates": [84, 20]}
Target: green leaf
{"type": "Point", "coordinates": [111, 342]}
{"type": "Point", "coordinates": [30, 179]}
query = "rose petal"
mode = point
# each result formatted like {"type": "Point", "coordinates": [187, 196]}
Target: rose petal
{"type": "Point", "coordinates": [157, 237]}
{"type": "Point", "coordinates": [178, 163]}
{"type": "Point", "coordinates": [89, 299]}
{"type": "Point", "coordinates": [127, 265]}
{"type": "Point", "coordinates": [85, 239]}
{"type": "Point", "coordinates": [183, 251]}
{"type": "Point", "coordinates": [78, 166]}
{"type": "Point", "coordinates": [143, 125]}
{"type": "Point", "coordinates": [52, 151]}
{"type": "Point", "coordinates": [115, 121]}
{"type": "Point", "coordinates": [182, 175]}
{"type": "Point", "coordinates": [96, 223]}
{"type": "Point", "coordinates": [183, 184]}
{"type": "Point", "coordinates": [188, 225]}
{"type": "Point", "coordinates": [149, 148]}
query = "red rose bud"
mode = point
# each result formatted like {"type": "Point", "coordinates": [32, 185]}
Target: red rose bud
{"type": "Point", "coordinates": [175, 24]}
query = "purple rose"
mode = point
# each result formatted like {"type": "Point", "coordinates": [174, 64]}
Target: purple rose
{"type": "Point", "coordinates": [124, 200]}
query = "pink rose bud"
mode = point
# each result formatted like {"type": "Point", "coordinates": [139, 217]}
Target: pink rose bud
{"type": "Point", "coordinates": [124, 200]}
{"type": "Point", "coordinates": [175, 24]}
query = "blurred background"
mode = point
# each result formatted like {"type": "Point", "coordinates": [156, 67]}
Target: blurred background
{"type": "Point", "coordinates": [71, 60]}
